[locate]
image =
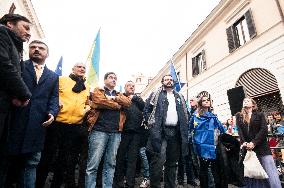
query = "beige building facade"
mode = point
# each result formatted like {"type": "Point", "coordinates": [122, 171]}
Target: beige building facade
{"type": "Point", "coordinates": [141, 82]}
{"type": "Point", "coordinates": [237, 50]}
{"type": "Point", "coordinates": [25, 8]}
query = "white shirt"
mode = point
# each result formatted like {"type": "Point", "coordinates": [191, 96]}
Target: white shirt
{"type": "Point", "coordinates": [172, 116]}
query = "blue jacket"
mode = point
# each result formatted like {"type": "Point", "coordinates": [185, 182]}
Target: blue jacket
{"type": "Point", "coordinates": [26, 133]}
{"type": "Point", "coordinates": [205, 133]}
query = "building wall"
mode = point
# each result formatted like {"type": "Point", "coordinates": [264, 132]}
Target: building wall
{"type": "Point", "coordinates": [265, 50]}
{"type": "Point", "coordinates": [270, 57]}
{"type": "Point", "coordinates": [25, 8]}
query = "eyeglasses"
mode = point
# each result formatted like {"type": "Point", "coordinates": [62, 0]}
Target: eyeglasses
{"type": "Point", "coordinates": [205, 100]}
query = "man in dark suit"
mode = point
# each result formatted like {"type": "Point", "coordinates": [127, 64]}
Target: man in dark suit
{"type": "Point", "coordinates": [27, 131]}
{"type": "Point", "coordinates": [14, 30]}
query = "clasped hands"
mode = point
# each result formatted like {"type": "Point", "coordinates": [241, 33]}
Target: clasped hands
{"type": "Point", "coordinates": [248, 145]}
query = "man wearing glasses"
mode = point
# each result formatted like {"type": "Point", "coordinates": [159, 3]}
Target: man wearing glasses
{"type": "Point", "coordinates": [167, 117]}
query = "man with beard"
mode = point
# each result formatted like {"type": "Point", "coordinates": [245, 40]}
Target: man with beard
{"type": "Point", "coordinates": [167, 117]}
{"type": "Point", "coordinates": [14, 30]}
{"type": "Point", "coordinates": [28, 125]}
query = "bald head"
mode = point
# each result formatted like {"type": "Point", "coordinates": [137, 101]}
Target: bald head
{"type": "Point", "coordinates": [79, 69]}
{"type": "Point", "coordinates": [193, 102]}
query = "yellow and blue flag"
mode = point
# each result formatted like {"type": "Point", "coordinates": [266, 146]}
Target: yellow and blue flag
{"type": "Point", "coordinates": [93, 62]}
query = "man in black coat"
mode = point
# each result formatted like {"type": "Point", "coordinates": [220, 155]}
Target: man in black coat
{"type": "Point", "coordinates": [167, 117]}
{"type": "Point", "coordinates": [130, 140]}
{"type": "Point", "coordinates": [14, 30]}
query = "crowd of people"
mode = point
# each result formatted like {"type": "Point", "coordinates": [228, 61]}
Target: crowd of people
{"type": "Point", "coordinates": [56, 124]}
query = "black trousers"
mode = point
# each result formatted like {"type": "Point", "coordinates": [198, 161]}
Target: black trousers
{"type": "Point", "coordinates": [4, 127]}
{"type": "Point", "coordinates": [186, 164]}
{"type": "Point", "coordinates": [168, 157]}
{"type": "Point", "coordinates": [72, 140]}
{"type": "Point", "coordinates": [66, 147]}
{"type": "Point", "coordinates": [208, 173]}
{"type": "Point", "coordinates": [126, 159]}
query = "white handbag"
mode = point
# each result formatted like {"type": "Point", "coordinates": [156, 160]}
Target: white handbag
{"type": "Point", "coordinates": [252, 166]}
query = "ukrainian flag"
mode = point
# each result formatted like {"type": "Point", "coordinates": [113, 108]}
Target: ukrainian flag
{"type": "Point", "coordinates": [93, 62]}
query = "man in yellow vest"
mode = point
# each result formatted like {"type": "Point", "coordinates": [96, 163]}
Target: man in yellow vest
{"type": "Point", "coordinates": [69, 135]}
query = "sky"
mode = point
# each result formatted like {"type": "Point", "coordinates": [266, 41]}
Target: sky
{"type": "Point", "coordinates": [136, 36]}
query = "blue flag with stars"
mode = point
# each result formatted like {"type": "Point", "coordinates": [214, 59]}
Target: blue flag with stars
{"type": "Point", "coordinates": [177, 84]}
{"type": "Point", "coordinates": [58, 69]}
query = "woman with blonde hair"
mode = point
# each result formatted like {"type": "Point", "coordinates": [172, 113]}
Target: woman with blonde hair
{"type": "Point", "coordinates": [252, 129]}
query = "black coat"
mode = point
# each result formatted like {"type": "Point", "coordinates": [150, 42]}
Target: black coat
{"type": "Point", "coordinates": [256, 132]}
{"type": "Point", "coordinates": [26, 132]}
{"type": "Point", "coordinates": [11, 82]}
{"type": "Point", "coordinates": [230, 170]}
{"type": "Point", "coordinates": [155, 137]}
{"type": "Point", "coordinates": [134, 115]}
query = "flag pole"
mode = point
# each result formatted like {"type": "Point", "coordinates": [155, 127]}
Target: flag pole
{"type": "Point", "coordinates": [172, 62]}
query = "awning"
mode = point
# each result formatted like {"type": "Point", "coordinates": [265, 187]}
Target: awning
{"type": "Point", "coordinates": [258, 82]}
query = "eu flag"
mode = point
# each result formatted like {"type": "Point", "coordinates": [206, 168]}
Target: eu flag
{"type": "Point", "coordinates": [177, 84]}
{"type": "Point", "coordinates": [58, 69]}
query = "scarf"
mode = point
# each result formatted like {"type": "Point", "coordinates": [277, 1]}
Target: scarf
{"type": "Point", "coordinates": [154, 101]}
{"type": "Point", "coordinates": [79, 86]}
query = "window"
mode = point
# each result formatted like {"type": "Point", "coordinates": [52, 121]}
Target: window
{"type": "Point", "coordinates": [138, 80]}
{"type": "Point", "coordinates": [241, 31]}
{"type": "Point", "coordinates": [199, 63]}
{"type": "Point", "coordinates": [178, 75]}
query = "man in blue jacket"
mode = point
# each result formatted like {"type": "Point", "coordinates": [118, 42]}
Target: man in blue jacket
{"type": "Point", "coordinates": [27, 131]}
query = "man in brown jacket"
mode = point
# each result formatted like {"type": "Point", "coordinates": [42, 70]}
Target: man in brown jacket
{"type": "Point", "coordinates": [106, 120]}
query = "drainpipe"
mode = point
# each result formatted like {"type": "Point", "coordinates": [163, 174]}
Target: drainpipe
{"type": "Point", "coordinates": [280, 10]}
{"type": "Point", "coordinates": [186, 76]}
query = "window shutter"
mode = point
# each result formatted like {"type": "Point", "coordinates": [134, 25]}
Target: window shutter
{"type": "Point", "coordinates": [230, 38]}
{"type": "Point", "coordinates": [203, 60]}
{"type": "Point", "coordinates": [195, 69]}
{"type": "Point", "coordinates": [251, 26]}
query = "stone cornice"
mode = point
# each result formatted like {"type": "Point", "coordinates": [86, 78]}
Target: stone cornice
{"type": "Point", "coordinates": [33, 17]}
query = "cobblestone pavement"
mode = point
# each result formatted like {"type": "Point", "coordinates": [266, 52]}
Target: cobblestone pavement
{"type": "Point", "coordinates": [139, 180]}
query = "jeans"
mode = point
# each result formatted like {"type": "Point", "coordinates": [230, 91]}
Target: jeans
{"type": "Point", "coordinates": [269, 166]}
{"type": "Point", "coordinates": [22, 169]}
{"type": "Point", "coordinates": [48, 155]}
{"type": "Point", "coordinates": [145, 163]}
{"type": "Point", "coordinates": [28, 174]}
{"type": "Point", "coordinates": [100, 142]}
